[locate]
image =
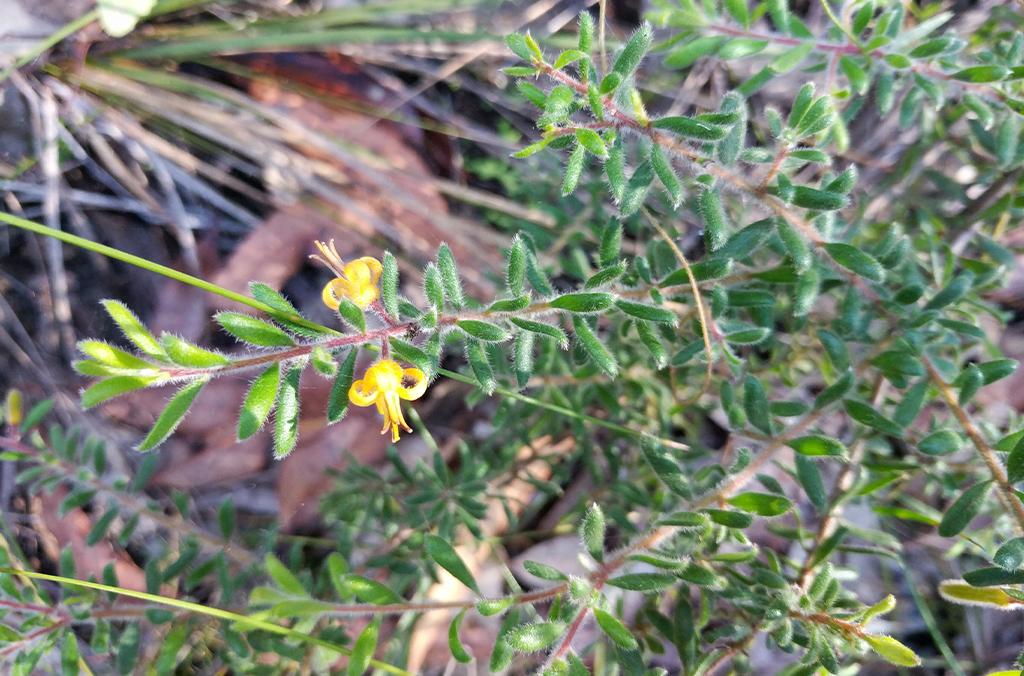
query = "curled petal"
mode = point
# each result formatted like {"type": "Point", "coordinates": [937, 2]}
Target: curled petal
{"type": "Point", "coordinates": [332, 294]}
{"type": "Point", "coordinates": [373, 267]}
{"type": "Point", "coordinates": [363, 394]}
{"type": "Point", "coordinates": [418, 386]}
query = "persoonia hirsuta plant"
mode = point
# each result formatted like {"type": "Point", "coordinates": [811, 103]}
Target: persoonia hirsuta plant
{"type": "Point", "coordinates": [839, 355]}
{"type": "Point", "coordinates": [408, 341]}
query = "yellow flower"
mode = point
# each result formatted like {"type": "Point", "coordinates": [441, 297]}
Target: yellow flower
{"type": "Point", "coordinates": [385, 384]}
{"type": "Point", "coordinates": [356, 280]}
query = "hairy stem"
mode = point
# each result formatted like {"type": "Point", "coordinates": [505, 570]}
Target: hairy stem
{"type": "Point", "coordinates": [1007, 495]}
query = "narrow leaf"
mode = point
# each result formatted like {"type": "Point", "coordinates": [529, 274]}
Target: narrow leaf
{"type": "Point", "coordinates": [172, 415]}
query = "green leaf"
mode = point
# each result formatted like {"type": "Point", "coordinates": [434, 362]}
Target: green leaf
{"type": "Point", "coordinates": [544, 571]}
{"type": "Point", "coordinates": [964, 509]}
{"type": "Point", "coordinates": [567, 57]}
{"type": "Point", "coordinates": [686, 54]}
{"type": "Point", "coordinates": [509, 304]}
{"type": "Point", "coordinates": [517, 43]}
{"type": "Point", "coordinates": [35, 415]}
{"type": "Point", "coordinates": [108, 388]}
{"type": "Point", "coordinates": [574, 169]}
{"type": "Point", "coordinates": [282, 577]}
{"type": "Point", "coordinates": [666, 173]}
{"type": "Point", "coordinates": [645, 582]}
{"type": "Point", "coordinates": [583, 301]}
{"type": "Point", "coordinates": [810, 480]}
{"type": "Point", "coordinates": [486, 331]}
{"type": "Point", "coordinates": [111, 356]}
{"type": "Point", "coordinates": [128, 649]}
{"type": "Point", "coordinates": [352, 314]}
{"type": "Point", "coordinates": [854, 72]}
{"type": "Point", "coordinates": [531, 638]}
{"type": "Point", "coordinates": [491, 607]}
{"type": "Point", "coordinates": [592, 532]}
{"type": "Point", "coordinates": [532, 149]}
{"type": "Point", "coordinates": [286, 415]}
{"type": "Point", "coordinates": [369, 591]}
{"type": "Point", "coordinates": [450, 276]}
{"type": "Point", "coordinates": [665, 466]}
{"type": "Point", "coordinates": [591, 140]}
{"type": "Point", "coordinates": [791, 58]}
{"type": "Point", "coordinates": [252, 330]}
{"type": "Point", "coordinates": [542, 329]}
{"type": "Point", "coordinates": [522, 357]}
{"type": "Point", "coordinates": [820, 200]}
{"type": "Point", "coordinates": [709, 206]}
{"type": "Point", "coordinates": [996, 369]}
{"type": "Point", "coordinates": [952, 292]}
{"type": "Point", "coordinates": [796, 246]}
{"type": "Point", "coordinates": [738, 48]}
{"type": "Point", "coordinates": [991, 576]}
{"type": "Point", "coordinates": [101, 526]}
{"type": "Point", "coordinates": [969, 382]}
{"type": "Point", "coordinates": [987, 73]}
{"type": "Point", "coordinates": [593, 347]}
{"type": "Point", "coordinates": [226, 518]}
{"type": "Point", "coordinates": [480, 363]}
{"type": "Point", "coordinates": [432, 287]}
{"type": "Point", "coordinates": [1015, 462]}
{"type": "Point", "coordinates": [444, 555]}
{"type": "Point", "coordinates": [688, 127]}
{"type": "Point", "coordinates": [892, 651]}
{"type": "Point", "coordinates": [389, 285]}
{"type": "Point", "coordinates": [816, 445]}
{"type": "Point", "coordinates": [865, 414]}
{"type": "Point", "coordinates": [835, 349]}
{"type": "Point", "coordinates": [606, 276]}
{"type": "Point", "coordinates": [633, 52]}
{"type": "Point", "coordinates": [762, 504]}
{"type": "Point", "coordinates": [650, 339]}
{"type": "Point", "coordinates": [751, 336]}
{"type": "Point", "coordinates": [69, 654]}
{"type": "Point", "coordinates": [183, 353]}
{"type": "Point", "coordinates": [363, 649]}
{"type": "Point", "coordinates": [172, 415]}
{"type": "Point", "coordinates": [259, 401]}
{"type": "Point", "coordinates": [755, 404]}
{"type": "Point", "coordinates": [337, 402]}
{"type": "Point", "coordinates": [515, 269]}
{"type": "Point", "coordinates": [730, 519]}
{"type": "Point", "coordinates": [615, 629]}
{"type": "Point", "coordinates": [454, 643]}
{"type": "Point", "coordinates": [75, 499]}
{"type": "Point", "coordinates": [940, 442]}
{"type": "Point", "coordinates": [1011, 555]}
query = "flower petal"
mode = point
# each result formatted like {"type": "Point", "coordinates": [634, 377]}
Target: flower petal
{"type": "Point", "coordinates": [331, 294]}
{"type": "Point", "coordinates": [418, 387]}
{"type": "Point", "coordinates": [395, 410]}
{"type": "Point", "coordinates": [362, 394]}
{"type": "Point", "coordinates": [373, 266]}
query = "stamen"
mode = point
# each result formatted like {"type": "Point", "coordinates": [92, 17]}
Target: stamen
{"type": "Point", "coordinates": [330, 258]}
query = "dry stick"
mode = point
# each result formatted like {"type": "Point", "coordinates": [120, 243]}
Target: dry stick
{"type": "Point", "coordinates": [704, 317]}
{"type": "Point", "coordinates": [1006, 493]}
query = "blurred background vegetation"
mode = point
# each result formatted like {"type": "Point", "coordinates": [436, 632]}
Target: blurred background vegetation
{"type": "Point", "coordinates": [221, 138]}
